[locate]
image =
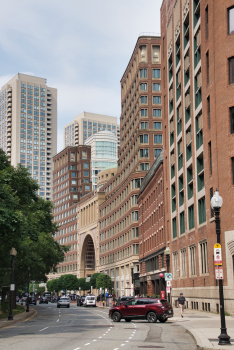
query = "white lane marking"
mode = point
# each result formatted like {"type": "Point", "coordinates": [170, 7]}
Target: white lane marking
{"type": "Point", "coordinates": [95, 340]}
{"type": "Point", "coordinates": [57, 320]}
{"type": "Point", "coordinates": [77, 349]}
{"type": "Point", "coordinates": [99, 337]}
{"type": "Point", "coordinates": [87, 344]}
{"type": "Point", "coordinates": [116, 349]}
{"type": "Point", "coordinates": [130, 338]}
{"type": "Point", "coordinates": [122, 344]}
{"type": "Point", "coordinates": [126, 341]}
{"type": "Point", "coordinates": [104, 334]}
{"type": "Point", "coordinates": [43, 329]}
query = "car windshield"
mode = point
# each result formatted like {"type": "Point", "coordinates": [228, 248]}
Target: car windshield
{"type": "Point", "coordinates": [91, 298]}
{"type": "Point", "coordinates": [64, 299]}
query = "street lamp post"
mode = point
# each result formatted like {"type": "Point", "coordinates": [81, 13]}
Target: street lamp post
{"type": "Point", "coordinates": [27, 310]}
{"type": "Point", "coordinates": [167, 252]}
{"type": "Point", "coordinates": [132, 284]}
{"type": "Point", "coordinates": [216, 204]}
{"type": "Point", "coordinates": [13, 253]}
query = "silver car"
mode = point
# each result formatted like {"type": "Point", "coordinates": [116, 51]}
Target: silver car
{"type": "Point", "coordinates": [63, 302]}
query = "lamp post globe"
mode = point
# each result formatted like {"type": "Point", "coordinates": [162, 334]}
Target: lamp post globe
{"type": "Point", "coordinates": [216, 201]}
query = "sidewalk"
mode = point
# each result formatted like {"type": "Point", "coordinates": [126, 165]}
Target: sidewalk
{"type": "Point", "coordinates": [17, 318]}
{"type": "Point", "coordinates": [205, 328]}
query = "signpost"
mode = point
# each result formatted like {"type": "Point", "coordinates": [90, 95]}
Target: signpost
{"type": "Point", "coordinates": [168, 290]}
{"type": "Point", "coordinates": [87, 279]}
{"type": "Point", "coordinates": [168, 283]}
{"type": "Point", "coordinates": [219, 272]}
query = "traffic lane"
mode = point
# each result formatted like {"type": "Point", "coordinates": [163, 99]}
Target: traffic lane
{"type": "Point", "coordinates": [170, 335]}
{"type": "Point", "coordinates": [54, 328]}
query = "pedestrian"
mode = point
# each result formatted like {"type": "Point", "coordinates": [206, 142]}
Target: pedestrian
{"type": "Point", "coordinates": [181, 301]}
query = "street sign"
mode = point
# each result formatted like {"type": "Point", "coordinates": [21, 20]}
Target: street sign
{"type": "Point", "coordinates": [217, 254]}
{"type": "Point", "coordinates": [12, 287]}
{"type": "Point", "coordinates": [168, 283]}
{"type": "Point", "coordinates": [87, 279]}
{"type": "Point", "coordinates": [219, 272]}
{"type": "Point", "coordinates": [168, 290]}
{"type": "Point", "coordinates": [168, 276]}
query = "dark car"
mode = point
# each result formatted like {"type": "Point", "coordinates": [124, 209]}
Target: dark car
{"type": "Point", "coordinates": [123, 299]}
{"type": "Point", "coordinates": [80, 300]}
{"type": "Point", "coordinates": [55, 299]}
{"type": "Point", "coordinates": [43, 300]}
{"type": "Point", "coordinates": [32, 300]}
{"type": "Point", "coordinates": [142, 309]}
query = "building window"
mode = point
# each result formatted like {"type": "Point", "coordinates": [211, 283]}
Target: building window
{"type": "Point", "coordinates": [157, 113]}
{"type": "Point", "coordinates": [211, 210]}
{"type": "Point", "coordinates": [156, 99]}
{"type": "Point", "coordinates": [86, 173]}
{"type": "Point", "coordinates": [182, 223]}
{"type": "Point", "coordinates": [86, 165]}
{"type": "Point", "coordinates": [202, 210]}
{"type": "Point", "coordinates": [157, 125]}
{"type": "Point", "coordinates": [73, 174]}
{"type": "Point", "coordinates": [144, 166]}
{"type": "Point", "coordinates": [175, 264]}
{"type": "Point", "coordinates": [143, 73]}
{"type": "Point", "coordinates": [233, 170]}
{"type": "Point", "coordinates": [174, 228]}
{"type": "Point", "coordinates": [144, 125]}
{"type": "Point", "coordinates": [208, 110]}
{"type": "Point", "coordinates": [204, 258]}
{"type": "Point", "coordinates": [157, 138]}
{"type": "Point", "coordinates": [144, 99]}
{"type": "Point", "coordinates": [207, 67]}
{"type": "Point", "coordinates": [134, 215]}
{"type": "Point", "coordinates": [156, 152]}
{"type": "Point", "coordinates": [144, 153]}
{"type": "Point", "coordinates": [143, 87]}
{"type": "Point", "coordinates": [87, 188]}
{"type": "Point", "coordinates": [156, 87]}
{"type": "Point", "coordinates": [156, 73]}
{"type": "Point", "coordinates": [144, 112]}
{"type": "Point", "coordinates": [144, 138]}
{"type": "Point", "coordinates": [231, 70]}
{"type": "Point", "coordinates": [231, 111]}
{"type": "Point", "coordinates": [192, 265]}
{"type": "Point", "coordinates": [231, 20]}
{"type": "Point", "coordinates": [72, 167]}
{"type": "Point", "coordinates": [210, 156]}
{"type": "Point", "coordinates": [183, 265]}
{"type": "Point", "coordinates": [207, 22]}
{"type": "Point", "coordinates": [191, 217]}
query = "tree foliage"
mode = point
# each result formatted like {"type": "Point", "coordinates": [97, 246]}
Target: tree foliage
{"type": "Point", "coordinates": [37, 289]}
{"type": "Point", "coordinates": [83, 285]}
{"type": "Point", "coordinates": [26, 223]}
{"type": "Point", "coordinates": [53, 285]}
{"type": "Point", "coordinates": [103, 281]}
{"type": "Point", "coordinates": [93, 279]}
{"type": "Point", "coordinates": [67, 282]}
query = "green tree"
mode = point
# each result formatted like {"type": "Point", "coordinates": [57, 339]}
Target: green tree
{"type": "Point", "coordinates": [93, 279]}
{"type": "Point", "coordinates": [26, 223]}
{"type": "Point", "coordinates": [103, 281]}
{"type": "Point", "coordinates": [83, 285]}
{"type": "Point", "coordinates": [67, 282]}
{"type": "Point", "coordinates": [53, 285]}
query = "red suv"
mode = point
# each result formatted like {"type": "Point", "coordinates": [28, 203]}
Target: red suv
{"type": "Point", "coordinates": [142, 309]}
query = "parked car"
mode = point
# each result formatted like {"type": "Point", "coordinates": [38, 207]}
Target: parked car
{"type": "Point", "coordinates": [142, 309]}
{"type": "Point", "coordinates": [123, 299]}
{"type": "Point", "coordinates": [89, 301]}
{"type": "Point", "coordinates": [80, 300]}
{"type": "Point", "coordinates": [64, 301]}
{"type": "Point", "coordinates": [23, 300]}
{"type": "Point", "coordinates": [43, 300]}
{"type": "Point", "coordinates": [55, 299]}
{"type": "Point", "coordinates": [32, 300]}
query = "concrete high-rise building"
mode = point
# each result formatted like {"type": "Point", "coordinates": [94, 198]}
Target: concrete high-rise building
{"type": "Point", "coordinates": [141, 142]}
{"type": "Point", "coordinates": [85, 125]}
{"type": "Point", "coordinates": [28, 127]}
{"type": "Point", "coordinates": [104, 152]}
{"type": "Point", "coordinates": [198, 85]}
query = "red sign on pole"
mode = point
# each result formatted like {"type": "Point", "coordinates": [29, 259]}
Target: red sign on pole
{"type": "Point", "coordinates": [219, 272]}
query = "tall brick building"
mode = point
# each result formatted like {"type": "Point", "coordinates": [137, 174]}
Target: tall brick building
{"type": "Point", "coordinates": [71, 181]}
{"type": "Point", "coordinates": [198, 100]}
{"type": "Point", "coordinates": [152, 235]}
{"type": "Point", "coordinates": [140, 143]}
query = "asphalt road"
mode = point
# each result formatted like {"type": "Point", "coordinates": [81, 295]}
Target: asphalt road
{"type": "Point", "coordinates": [76, 328]}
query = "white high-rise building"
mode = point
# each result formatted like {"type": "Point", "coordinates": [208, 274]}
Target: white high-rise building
{"type": "Point", "coordinates": [87, 124]}
{"type": "Point", "coordinates": [104, 152]}
{"type": "Point", "coordinates": [28, 127]}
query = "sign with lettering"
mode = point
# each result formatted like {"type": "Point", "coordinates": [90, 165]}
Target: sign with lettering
{"type": "Point", "coordinates": [219, 272]}
{"type": "Point", "coordinates": [168, 290]}
{"type": "Point", "coordinates": [168, 283]}
{"type": "Point", "coordinates": [217, 254]}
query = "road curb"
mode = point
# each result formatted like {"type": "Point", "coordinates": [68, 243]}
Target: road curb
{"type": "Point", "coordinates": [19, 319]}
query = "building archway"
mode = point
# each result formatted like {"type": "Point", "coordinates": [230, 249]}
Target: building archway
{"type": "Point", "coordinates": [87, 263]}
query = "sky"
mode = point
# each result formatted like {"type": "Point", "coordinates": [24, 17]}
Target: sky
{"type": "Point", "coordinates": [82, 48]}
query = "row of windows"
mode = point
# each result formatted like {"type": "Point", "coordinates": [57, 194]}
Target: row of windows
{"type": "Point", "coordinates": [156, 73]}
